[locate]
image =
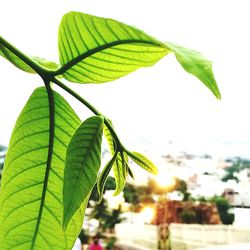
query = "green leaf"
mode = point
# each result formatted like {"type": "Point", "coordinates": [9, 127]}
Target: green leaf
{"type": "Point", "coordinates": [97, 50]}
{"type": "Point", "coordinates": [102, 178]}
{"type": "Point", "coordinates": [49, 65]}
{"type": "Point", "coordinates": [19, 63]}
{"type": "Point", "coordinates": [120, 169]}
{"type": "Point", "coordinates": [120, 166]}
{"type": "Point", "coordinates": [110, 139]}
{"type": "Point", "coordinates": [31, 201]}
{"type": "Point", "coordinates": [82, 165]}
{"type": "Point", "coordinates": [196, 64]}
{"type": "Point", "coordinates": [143, 162]}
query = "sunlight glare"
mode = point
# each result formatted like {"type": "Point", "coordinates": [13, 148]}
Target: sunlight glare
{"type": "Point", "coordinates": [165, 180]}
{"type": "Point", "coordinates": [147, 214]}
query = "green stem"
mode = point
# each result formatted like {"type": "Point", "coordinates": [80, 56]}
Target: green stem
{"type": "Point", "coordinates": [26, 59]}
{"type": "Point", "coordinates": [78, 97]}
{"type": "Point", "coordinates": [49, 76]}
{"type": "Point", "coordinates": [92, 108]}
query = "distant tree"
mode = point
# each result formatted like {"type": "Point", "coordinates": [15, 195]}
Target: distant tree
{"type": "Point", "coordinates": [223, 207]}
{"type": "Point", "coordinates": [100, 212]}
{"type": "Point", "coordinates": [229, 176]}
{"type": "Point", "coordinates": [131, 194]}
{"type": "Point", "coordinates": [107, 217]}
{"type": "Point", "coordinates": [136, 195]}
{"type": "Point", "coordinates": [83, 237]}
{"type": "Point", "coordinates": [201, 199]}
{"type": "Point", "coordinates": [238, 164]}
{"type": "Point", "coordinates": [181, 186]}
{"type": "Point", "coordinates": [188, 216]}
{"type": "Point", "coordinates": [113, 218]}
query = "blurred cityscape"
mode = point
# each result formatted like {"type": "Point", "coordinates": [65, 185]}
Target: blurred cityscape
{"type": "Point", "coordinates": [195, 202]}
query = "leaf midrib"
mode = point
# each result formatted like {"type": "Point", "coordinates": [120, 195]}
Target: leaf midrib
{"type": "Point", "coordinates": [51, 103]}
{"type": "Point", "coordinates": [95, 50]}
{"type": "Point", "coordinates": [87, 153]}
{"type": "Point", "coordinates": [119, 167]}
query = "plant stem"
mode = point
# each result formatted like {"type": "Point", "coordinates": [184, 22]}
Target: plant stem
{"type": "Point", "coordinates": [92, 108]}
{"type": "Point", "coordinates": [78, 97]}
{"type": "Point", "coordinates": [50, 76]}
{"type": "Point", "coordinates": [26, 59]}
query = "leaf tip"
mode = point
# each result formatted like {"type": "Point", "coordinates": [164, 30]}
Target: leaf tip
{"type": "Point", "coordinates": [117, 192]}
{"type": "Point", "coordinates": [218, 95]}
{"type": "Point", "coordinates": [131, 174]}
{"type": "Point", "coordinates": [215, 89]}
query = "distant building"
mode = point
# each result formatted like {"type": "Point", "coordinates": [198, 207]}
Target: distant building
{"type": "Point", "coordinates": [237, 198]}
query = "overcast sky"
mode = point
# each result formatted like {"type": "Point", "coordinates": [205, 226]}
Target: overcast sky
{"type": "Point", "coordinates": [153, 106]}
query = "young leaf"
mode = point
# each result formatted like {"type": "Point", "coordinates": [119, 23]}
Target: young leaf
{"type": "Point", "coordinates": [143, 162]}
{"type": "Point", "coordinates": [82, 165]}
{"type": "Point", "coordinates": [110, 140]}
{"type": "Point", "coordinates": [31, 199]}
{"type": "Point", "coordinates": [104, 175]}
{"type": "Point", "coordinates": [196, 64]}
{"type": "Point", "coordinates": [97, 50]}
{"type": "Point", "coordinates": [120, 171]}
{"type": "Point", "coordinates": [49, 65]}
{"type": "Point", "coordinates": [120, 166]}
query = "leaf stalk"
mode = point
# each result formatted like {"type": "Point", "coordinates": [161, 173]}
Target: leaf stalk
{"type": "Point", "coordinates": [92, 108]}
{"type": "Point", "coordinates": [50, 76]}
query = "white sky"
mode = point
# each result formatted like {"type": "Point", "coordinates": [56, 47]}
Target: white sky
{"type": "Point", "coordinates": [154, 105]}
